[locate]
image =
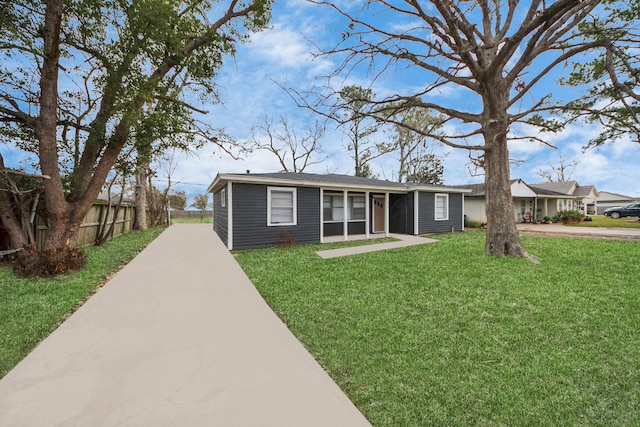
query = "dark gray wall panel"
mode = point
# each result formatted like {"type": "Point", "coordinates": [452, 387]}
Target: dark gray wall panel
{"type": "Point", "coordinates": [426, 214]}
{"type": "Point", "coordinates": [332, 228]}
{"type": "Point", "coordinates": [250, 229]}
{"type": "Point", "coordinates": [220, 217]}
{"type": "Point", "coordinates": [356, 228]}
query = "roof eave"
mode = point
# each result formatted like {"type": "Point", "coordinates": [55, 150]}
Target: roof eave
{"type": "Point", "coordinates": [222, 179]}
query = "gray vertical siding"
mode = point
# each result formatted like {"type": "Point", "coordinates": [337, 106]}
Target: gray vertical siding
{"type": "Point", "coordinates": [426, 214]}
{"type": "Point", "coordinates": [220, 216]}
{"type": "Point", "coordinates": [250, 229]}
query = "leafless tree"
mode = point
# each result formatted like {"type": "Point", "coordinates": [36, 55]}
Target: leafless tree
{"type": "Point", "coordinates": [560, 173]}
{"type": "Point", "coordinates": [294, 152]}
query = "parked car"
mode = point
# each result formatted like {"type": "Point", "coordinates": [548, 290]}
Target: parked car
{"type": "Point", "coordinates": [618, 212]}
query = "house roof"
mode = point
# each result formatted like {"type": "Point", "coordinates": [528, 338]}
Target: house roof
{"type": "Point", "coordinates": [565, 187]}
{"type": "Point", "coordinates": [327, 181]}
{"type": "Point", "coordinates": [606, 196]}
{"type": "Point", "coordinates": [585, 190]}
{"type": "Point", "coordinates": [477, 190]}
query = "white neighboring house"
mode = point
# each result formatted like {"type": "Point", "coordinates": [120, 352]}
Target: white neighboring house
{"type": "Point", "coordinates": [532, 202]}
{"type": "Point", "coordinates": [568, 196]}
{"type": "Point", "coordinates": [523, 202]}
{"type": "Point", "coordinates": [608, 200]}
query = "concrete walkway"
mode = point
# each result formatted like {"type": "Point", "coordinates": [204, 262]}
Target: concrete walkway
{"type": "Point", "coordinates": [573, 231]}
{"type": "Point", "coordinates": [179, 337]}
{"type": "Point", "coordinates": [404, 240]}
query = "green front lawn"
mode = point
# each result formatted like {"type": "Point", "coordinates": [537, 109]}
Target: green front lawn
{"type": "Point", "coordinates": [441, 334]}
{"type": "Point", "coordinates": [30, 309]}
{"type": "Point", "coordinates": [605, 221]}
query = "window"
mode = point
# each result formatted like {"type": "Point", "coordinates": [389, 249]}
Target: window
{"type": "Point", "coordinates": [356, 208]}
{"type": "Point", "coordinates": [223, 197]}
{"type": "Point", "coordinates": [333, 206]}
{"type": "Point", "coordinates": [281, 206]}
{"type": "Point", "coordinates": [442, 207]}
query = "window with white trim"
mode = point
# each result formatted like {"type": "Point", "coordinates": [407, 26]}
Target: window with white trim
{"type": "Point", "coordinates": [223, 198]}
{"type": "Point", "coordinates": [356, 208]}
{"type": "Point", "coordinates": [442, 207]}
{"type": "Point", "coordinates": [281, 206]}
{"type": "Point", "coordinates": [333, 207]}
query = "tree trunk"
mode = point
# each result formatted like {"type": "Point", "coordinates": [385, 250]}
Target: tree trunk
{"type": "Point", "coordinates": [58, 234]}
{"type": "Point", "coordinates": [141, 199]}
{"type": "Point", "coordinates": [502, 237]}
{"type": "Point", "coordinates": [9, 219]}
{"type": "Point", "coordinates": [11, 223]}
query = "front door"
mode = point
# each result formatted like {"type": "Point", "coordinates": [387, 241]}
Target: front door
{"type": "Point", "coordinates": [378, 214]}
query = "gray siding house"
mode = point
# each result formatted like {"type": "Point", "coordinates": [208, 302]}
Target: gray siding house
{"type": "Point", "coordinates": [258, 210]}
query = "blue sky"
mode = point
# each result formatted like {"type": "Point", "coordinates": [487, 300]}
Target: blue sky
{"type": "Point", "coordinates": [284, 55]}
{"type": "Point", "coordinates": [249, 87]}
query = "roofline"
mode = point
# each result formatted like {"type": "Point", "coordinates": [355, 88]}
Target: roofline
{"type": "Point", "coordinates": [220, 179]}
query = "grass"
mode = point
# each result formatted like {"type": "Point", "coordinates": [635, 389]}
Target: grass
{"type": "Point", "coordinates": [605, 221]}
{"type": "Point", "coordinates": [442, 334]}
{"type": "Point", "coordinates": [207, 219]}
{"type": "Point", "coordinates": [30, 309]}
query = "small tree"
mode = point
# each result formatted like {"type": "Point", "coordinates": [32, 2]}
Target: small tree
{"type": "Point", "coordinates": [351, 113]}
{"type": "Point", "coordinates": [415, 163]}
{"type": "Point", "coordinates": [201, 202]}
{"type": "Point", "coordinates": [178, 200]}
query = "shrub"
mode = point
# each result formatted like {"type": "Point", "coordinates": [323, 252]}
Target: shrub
{"type": "Point", "coordinates": [286, 239]}
{"type": "Point", "coordinates": [33, 263]}
{"type": "Point", "coordinates": [574, 215]}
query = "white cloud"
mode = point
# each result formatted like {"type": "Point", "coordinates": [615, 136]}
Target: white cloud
{"type": "Point", "coordinates": [280, 46]}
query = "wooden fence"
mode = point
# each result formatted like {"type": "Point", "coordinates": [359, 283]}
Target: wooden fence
{"type": "Point", "coordinates": [94, 220]}
{"type": "Point", "coordinates": [191, 214]}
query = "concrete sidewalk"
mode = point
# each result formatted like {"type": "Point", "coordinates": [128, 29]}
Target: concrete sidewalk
{"type": "Point", "coordinates": [179, 337]}
{"type": "Point", "coordinates": [404, 240]}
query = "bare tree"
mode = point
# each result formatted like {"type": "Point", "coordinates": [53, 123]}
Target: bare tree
{"type": "Point", "coordinates": [560, 173]}
{"type": "Point", "coordinates": [294, 153]}
{"type": "Point", "coordinates": [492, 54]}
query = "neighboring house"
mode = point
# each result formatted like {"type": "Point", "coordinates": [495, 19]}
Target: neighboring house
{"type": "Point", "coordinates": [610, 200]}
{"type": "Point", "coordinates": [258, 210]}
{"type": "Point", "coordinates": [523, 202]}
{"type": "Point", "coordinates": [532, 202]}
{"type": "Point", "coordinates": [567, 196]}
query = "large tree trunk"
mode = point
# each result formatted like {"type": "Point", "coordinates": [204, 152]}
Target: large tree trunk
{"type": "Point", "coordinates": [57, 207]}
{"type": "Point", "coordinates": [502, 237]}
